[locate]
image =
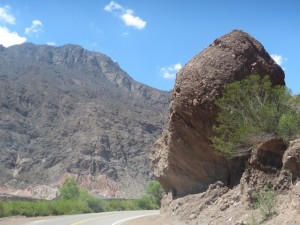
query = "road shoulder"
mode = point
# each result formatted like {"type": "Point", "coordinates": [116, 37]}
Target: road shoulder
{"type": "Point", "coordinates": [20, 220]}
{"type": "Point", "coordinates": [147, 220]}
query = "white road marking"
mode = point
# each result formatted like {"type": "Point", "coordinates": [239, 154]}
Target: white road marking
{"type": "Point", "coordinates": [134, 217]}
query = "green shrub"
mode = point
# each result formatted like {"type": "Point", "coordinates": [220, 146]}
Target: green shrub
{"type": "Point", "coordinates": [96, 205]}
{"type": "Point", "coordinates": [4, 210]}
{"type": "Point", "coordinates": [69, 189]}
{"type": "Point", "coordinates": [26, 208]}
{"type": "Point", "coordinates": [288, 125]}
{"type": "Point", "coordinates": [114, 205]}
{"type": "Point", "coordinates": [250, 110]}
{"type": "Point", "coordinates": [155, 190]}
{"type": "Point", "coordinates": [295, 102]}
{"type": "Point", "coordinates": [147, 202]}
{"type": "Point", "coordinates": [75, 206]}
{"type": "Point", "coordinates": [265, 202]}
{"type": "Point", "coordinates": [1, 210]}
{"type": "Point", "coordinates": [75, 200]}
{"type": "Point", "coordinates": [120, 204]}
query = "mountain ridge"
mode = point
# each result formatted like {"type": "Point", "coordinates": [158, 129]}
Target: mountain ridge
{"type": "Point", "coordinates": [67, 111]}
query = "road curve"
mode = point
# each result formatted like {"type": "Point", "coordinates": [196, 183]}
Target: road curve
{"type": "Point", "coordinates": [105, 218]}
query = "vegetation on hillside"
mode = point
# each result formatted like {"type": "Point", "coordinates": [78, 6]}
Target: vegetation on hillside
{"type": "Point", "coordinates": [264, 201]}
{"type": "Point", "coordinates": [251, 110]}
{"type": "Point", "coordinates": [76, 200]}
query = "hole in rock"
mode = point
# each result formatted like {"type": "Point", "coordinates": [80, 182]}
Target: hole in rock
{"type": "Point", "coordinates": [270, 153]}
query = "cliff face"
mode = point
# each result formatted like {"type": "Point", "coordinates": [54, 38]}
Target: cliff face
{"type": "Point", "coordinates": [182, 158]}
{"type": "Point", "coordinates": [68, 111]}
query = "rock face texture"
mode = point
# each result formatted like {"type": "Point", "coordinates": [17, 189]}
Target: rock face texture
{"type": "Point", "coordinates": [182, 158]}
{"type": "Point", "coordinates": [66, 111]}
{"type": "Point", "coordinates": [272, 166]}
{"type": "Point", "coordinates": [291, 159]}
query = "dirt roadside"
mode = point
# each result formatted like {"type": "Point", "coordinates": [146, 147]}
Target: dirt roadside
{"type": "Point", "coordinates": [20, 220]}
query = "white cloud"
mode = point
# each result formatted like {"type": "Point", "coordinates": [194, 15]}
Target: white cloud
{"type": "Point", "coordinates": [170, 71]}
{"type": "Point", "coordinates": [52, 43]}
{"type": "Point", "coordinates": [112, 6]}
{"type": "Point", "coordinates": [279, 59]}
{"type": "Point", "coordinates": [8, 38]}
{"type": "Point", "coordinates": [130, 20]}
{"type": "Point", "coordinates": [6, 16]}
{"type": "Point", "coordinates": [126, 15]}
{"type": "Point", "coordinates": [36, 27]}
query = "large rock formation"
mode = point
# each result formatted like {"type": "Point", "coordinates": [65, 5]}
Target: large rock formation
{"type": "Point", "coordinates": [66, 111]}
{"type": "Point", "coordinates": [182, 158]}
{"type": "Point", "coordinates": [272, 167]}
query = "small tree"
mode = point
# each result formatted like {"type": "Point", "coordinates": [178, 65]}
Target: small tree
{"type": "Point", "coordinates": [69, 189]}
{"type": "Point", "coordinates": [251, 109]}
{"type": "Point", "coordinates": [155, 190]}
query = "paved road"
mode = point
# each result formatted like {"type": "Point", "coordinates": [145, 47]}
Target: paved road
{"type": "Point", "coordinates": [106, 218]}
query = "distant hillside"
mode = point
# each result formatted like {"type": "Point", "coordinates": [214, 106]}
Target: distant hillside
{"type": "Point", "coordinates": [68, 111]}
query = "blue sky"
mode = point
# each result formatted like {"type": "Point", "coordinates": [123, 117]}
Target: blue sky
{"type": "Point", "coordinates": [151, 40]}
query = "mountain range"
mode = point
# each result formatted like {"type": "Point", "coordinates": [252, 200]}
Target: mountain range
{"type": "Point", "coordinates": [66, 111]}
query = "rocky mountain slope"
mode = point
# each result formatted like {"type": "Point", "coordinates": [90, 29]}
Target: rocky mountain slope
{"type": "Point", "coordinates": [203, 187]}
{"type": "Point", "coordinates": [66, 111]}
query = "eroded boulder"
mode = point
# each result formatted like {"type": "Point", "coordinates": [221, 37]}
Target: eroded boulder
{"type": "Point", "coordinates": [291, 159]}
{"type": "Point", "coordinates": [182, 159]}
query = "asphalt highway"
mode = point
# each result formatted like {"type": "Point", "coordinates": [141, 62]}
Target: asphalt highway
{"type": "Point", "coordinates": [105, 218]}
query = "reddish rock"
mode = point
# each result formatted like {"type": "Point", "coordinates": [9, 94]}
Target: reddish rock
{"type": "Point", "coordinates": [182, 158]}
